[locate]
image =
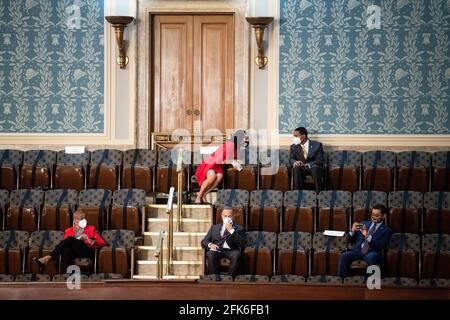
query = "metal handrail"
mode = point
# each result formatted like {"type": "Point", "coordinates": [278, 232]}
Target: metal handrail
{"type": "Point", "coordinates": [159, 254]}
{"type": "Point", "coordinates": [180, 188]}
{"type": "Point", "coordinates": [169, 211]}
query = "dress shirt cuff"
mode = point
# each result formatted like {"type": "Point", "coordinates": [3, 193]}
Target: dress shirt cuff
{"type": "Point", "coordinates": [209, 245]}
{"type": "Point", "coordinates": [351, 233]}
{"type": "Point", "coordinates": [369, 238]}
{"type": "Point", "coordinates": [232, 231]}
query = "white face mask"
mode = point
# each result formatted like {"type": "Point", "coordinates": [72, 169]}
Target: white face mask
{"type": "Point", "coordinates": [228, 220]}
{"type": "Point", "coordinates": [297, 140]}
{"type": "Point", "coordinates": [83, 223]}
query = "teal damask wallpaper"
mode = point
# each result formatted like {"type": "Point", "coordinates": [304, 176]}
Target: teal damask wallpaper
{"type": "Point", "coordinates": [51, 66]}
{"type": "Point", "coordinates": [348, 67]}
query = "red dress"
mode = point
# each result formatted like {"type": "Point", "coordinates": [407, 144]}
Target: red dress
{"type": "Point", "coordinates": [215, 161]}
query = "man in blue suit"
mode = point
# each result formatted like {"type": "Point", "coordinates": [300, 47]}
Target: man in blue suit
{"type": "Point", "coordinates": [307, 158]}
{"type": "Point", "coordinates": [224, 240]}
{"type": "Point", "coordinates": [371, 238]}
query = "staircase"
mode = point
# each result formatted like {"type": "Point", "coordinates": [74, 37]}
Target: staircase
{"type": "Point", "coordinates": [188, 253]}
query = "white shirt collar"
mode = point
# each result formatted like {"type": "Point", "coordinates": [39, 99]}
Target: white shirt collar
{"type": "Point", "coordinates": [307, 144]}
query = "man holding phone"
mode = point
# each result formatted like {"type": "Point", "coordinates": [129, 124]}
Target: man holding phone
{"type": "Point", "coordinates": [224, 240]}
{"type": "Point", "coordinates": [371, 238]}
{"type": "Point", "coordinates": [79, 242]}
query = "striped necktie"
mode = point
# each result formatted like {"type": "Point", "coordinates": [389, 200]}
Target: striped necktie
{"type": "Point", "coordinates": [365, 246]}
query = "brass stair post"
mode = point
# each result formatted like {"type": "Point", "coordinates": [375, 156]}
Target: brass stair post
{"type": "Point", "coordinates": [180, 188]}
{"type": "Point", "coordinates": [169, 211]}
{"type": "Point", "coordinates": [159, 254]}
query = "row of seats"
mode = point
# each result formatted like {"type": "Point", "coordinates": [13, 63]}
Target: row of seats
{"type": "Point", "coordinates": [304, 210]}
{"type": "Point", "coordinates": [18, 248]}
{"type": "Point", "coordinates": [325, 280]}
{"type": "Point", "coordinates": [264, 169]}
{"type": "Point", "coordinates": [304, 254]}
{"type": "Point", "coordinates": [34, 209]}
{"type": "Point", "coordinates": [40, 277]}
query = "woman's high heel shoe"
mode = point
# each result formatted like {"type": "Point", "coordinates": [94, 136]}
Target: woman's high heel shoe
{"type": "Point", "coordinates": [40, 265]}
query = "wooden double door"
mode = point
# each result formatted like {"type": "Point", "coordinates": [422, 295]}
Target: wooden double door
{"type": "Point", "coordinates": [193, 72]}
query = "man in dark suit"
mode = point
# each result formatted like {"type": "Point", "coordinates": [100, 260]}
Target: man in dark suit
{"type": "Point", "coordinates": [371, 238]}
{"type": "Point", "coordinates": [307, 158]}
{"type": "Point", "coordinates": [224, 240]}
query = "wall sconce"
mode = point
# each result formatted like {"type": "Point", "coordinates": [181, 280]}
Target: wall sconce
{"type": "Point", "coordinates": [260, 23]}
{"type": "Point", "coordinates": [119, 23]}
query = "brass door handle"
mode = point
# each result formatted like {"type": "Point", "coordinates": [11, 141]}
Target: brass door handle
{"type": "Point", "coordinates": [189, 112]}
{"type": "Point", "coordinates": [197, 112]}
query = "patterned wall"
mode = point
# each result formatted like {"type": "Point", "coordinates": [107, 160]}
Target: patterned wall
{"type": "Point", "coordinates": [51, 66]}
{"type": "Point", "coordinates": [337, 76]}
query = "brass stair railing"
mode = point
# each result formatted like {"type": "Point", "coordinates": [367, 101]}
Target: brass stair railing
{"type": "Point", "coordinates": [159, 254]}
{"type": "Point", "coordinates": [169, 211]}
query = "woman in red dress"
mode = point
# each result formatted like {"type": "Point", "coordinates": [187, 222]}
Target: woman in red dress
{"type": "Point", "coordinates": [210, 171]}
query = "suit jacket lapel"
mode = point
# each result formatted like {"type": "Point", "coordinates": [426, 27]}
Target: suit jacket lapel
{"type": "Point", "coordinates": [216, 231]}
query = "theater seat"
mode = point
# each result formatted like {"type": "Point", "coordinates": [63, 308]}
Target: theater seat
{"type": "Point", "coordinates": [95, 204]}
{"type": "Point", "coordinates": [364, 201]}
{"type": "Point", "coordinates": [334, 209]}
{"type": "Point", "coordinates": [324, 280]}
{"type": "Point", "coordinates": [398, 282]}
{"type": "Point", "coordinates": [104, 167]}
{"type": "Point", "coordinates": [436, 256]}
{"type": "Point", "coordinates": [288, 278]}
{"type": "Point", "coordinates": [207, 278]}
{"type": "Point", "coordinates": [300, 206]}
{"type": "Point", "coordinates": [251, 278]}
{"type": "Point", "coordinates": [245, 179]}
{"type": "Point", "coordinates": [413, 169]}
{"type": "Point", "coordinates": [405, 211]}
{"type": "Point", "coordinates": [42, 243]}
{"type": "Point", "coordinates": [234, 198]}
{"type": "Point", "coordinates": [63, 277]}
{"type": "Point", "coordinates": [116, 256]}
{"type": "Point", "coordinates": [402, 256]}
{"type": "Point", "coordinates": [138, 168]}
{"type": "Point", "coordinates": [343, 170]}
{"type": "Point", "coordinates": [437, 214]}
{"type": "Point", "coordinates": [105, 276]}
{"type": "Point", "coordinates": [37, 168]}
{"type": "Point", "coordinates": [378, 171]}
{"type": "Point", "coordinates": [293, 253]}
{"type": "Point", "coordinates": [327, 251]}
{"type": "Point", "coordinates": [12, 251]}
{"type": "Point", "coordinates": [23, 213]}
{"type": "Point", "coordinates": [10, 162]}
{"type": "Point", "coordinates": [59, 205]}
{"type": "Point", "coordinates": [258, 254]}
{"type": "Point", "coordinates": [265, 210]}
{"type": "Point", "coordinates": [70, 172]}
{"type": "Point", "coordinates": [441, 171]}
{"type": "Point", "coordinates": [275, 170]}
{"type": "Point", "coordinates": [166, 171]}
{"type": "Point", "coordinates": [32, 277]}
{"type": "Point", "coordinates": [4, 203]}
{"type": "Point", "coordinates": [128, 209]}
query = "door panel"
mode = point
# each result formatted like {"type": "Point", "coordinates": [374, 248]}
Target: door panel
{"type": "Point", "coordinates": [172, 72]}
{"type": "Point", "coordinates": [193, 72]}
{"type": "Point", "coordinates": [214, 71]}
